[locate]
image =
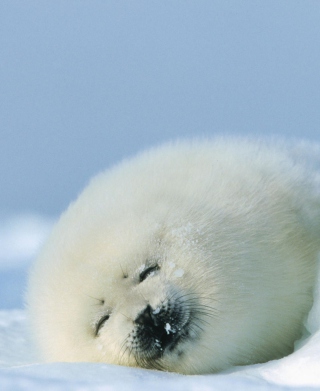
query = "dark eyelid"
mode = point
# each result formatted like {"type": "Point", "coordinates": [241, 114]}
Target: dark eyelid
{"type": "Point", "coordinates": [101, 323]}
{"type": "Point", "coordinates": [145, 273]}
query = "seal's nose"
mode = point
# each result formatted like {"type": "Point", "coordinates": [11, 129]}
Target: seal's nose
{"type": "Point", "coordinates": [147, 318]}
{"type": "Point", "coordinates": [155, 329]}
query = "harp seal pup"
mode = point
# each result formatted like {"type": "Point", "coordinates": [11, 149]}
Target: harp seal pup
{"type": "Point", "coordinates": [191, 257]}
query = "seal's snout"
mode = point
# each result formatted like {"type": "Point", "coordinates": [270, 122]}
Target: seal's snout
{"type": "Point", "coordinates": [154, 327]}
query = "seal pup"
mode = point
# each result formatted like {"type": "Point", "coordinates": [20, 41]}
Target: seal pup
{"type": "Point", "coordinates": [191, 257]}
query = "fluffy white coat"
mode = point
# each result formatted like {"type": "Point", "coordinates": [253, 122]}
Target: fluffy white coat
{"type": "Point", "coordinates": [220, 236]}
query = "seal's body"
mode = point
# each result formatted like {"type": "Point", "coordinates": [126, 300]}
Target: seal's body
{"type": "Point", "coordinates": [191, 257]}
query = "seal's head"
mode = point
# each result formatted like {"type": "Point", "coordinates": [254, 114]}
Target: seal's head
{"type": "Point", "coordinates": [135, 298]}
{"type": "Point", "coordinates": [190, 258]}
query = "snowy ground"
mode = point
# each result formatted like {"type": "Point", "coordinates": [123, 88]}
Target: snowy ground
{"type": "Point", "coordinates": [20, 238]}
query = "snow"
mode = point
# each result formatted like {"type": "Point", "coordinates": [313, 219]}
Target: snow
{"type": "Point", "coordinates": [20, 238]}
{"type": "Point", "coordinates": [156, 311]}
{"type": "Point", "coordinates": [169, 329]}
{"type": "Point", "coordinates": [142, 268]}
{"type": "Point", "coordinates": [21, 369]}
{"type": "Point", "coordinates": [179, 273]}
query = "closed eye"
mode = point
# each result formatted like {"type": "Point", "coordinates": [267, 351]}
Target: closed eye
{"type": "Point", "coordinates": [101, 323]}
{"type": "Point", "coordinates": [147, 272]}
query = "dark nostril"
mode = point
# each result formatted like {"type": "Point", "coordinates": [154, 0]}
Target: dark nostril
{"type": "Point", "coordinates": [146, 317]}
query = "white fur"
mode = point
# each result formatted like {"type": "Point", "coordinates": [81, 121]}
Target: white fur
{"type": "Point", "coordinates": [234, 224]}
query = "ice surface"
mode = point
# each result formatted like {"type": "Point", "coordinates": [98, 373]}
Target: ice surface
{"type": "Point", "coordinates": [21, 369]}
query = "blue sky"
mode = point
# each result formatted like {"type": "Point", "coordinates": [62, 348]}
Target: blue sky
{"type": "Point", "coordinates": [87, 83]}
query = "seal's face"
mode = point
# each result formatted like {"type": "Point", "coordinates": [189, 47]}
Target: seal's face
{"type": "Point", "coordinates": [155, 322]}
{"type": "Point", "coordinates": [148, 312]}
{"type": "Point", "coordinates": [133, 299]}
